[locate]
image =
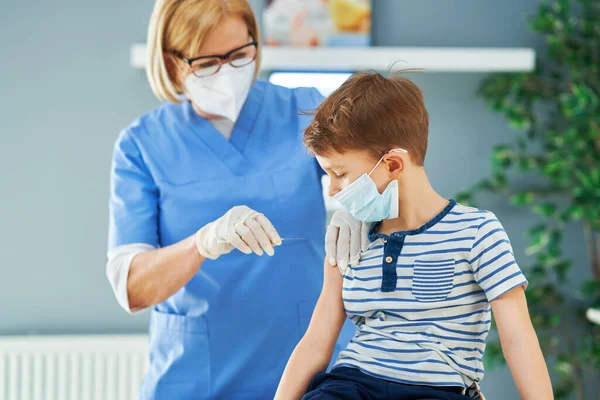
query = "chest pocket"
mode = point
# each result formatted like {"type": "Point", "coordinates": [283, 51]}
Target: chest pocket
{"type": "Point", "coordinates": [433, 280]}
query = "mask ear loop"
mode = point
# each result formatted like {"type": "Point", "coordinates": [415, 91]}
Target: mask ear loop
{"type": "Point", "coordinates": [398, 150]}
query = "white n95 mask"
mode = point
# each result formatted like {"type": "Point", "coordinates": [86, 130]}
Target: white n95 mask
{"type": "Point", "coordinates": [362, 199]}
{"type": "Point", "coordinates": [224, 93]}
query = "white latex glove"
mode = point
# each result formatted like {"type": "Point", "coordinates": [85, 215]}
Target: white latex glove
{"type": "Point", "coordinates": [240, 228]}
{"type": "Point", "coordinates": [346, 237]}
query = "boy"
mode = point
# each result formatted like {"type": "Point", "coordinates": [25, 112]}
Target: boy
{"type": "Point", "coordinates": [422, 293]}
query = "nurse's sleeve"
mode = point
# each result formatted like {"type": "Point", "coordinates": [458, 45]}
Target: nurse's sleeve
{"type": "Point", "coordinates": [133, 211]}
{"type": "Point", "coordinates": [133, 204]}
{"type": "Point", "coordinates": [117, 270]}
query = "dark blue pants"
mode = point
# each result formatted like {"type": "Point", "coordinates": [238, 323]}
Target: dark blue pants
{"type": "Point", "coordinates": [352, 384]}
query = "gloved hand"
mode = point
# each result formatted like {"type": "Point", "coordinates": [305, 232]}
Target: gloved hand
{"type": "Point", "coordinates": [346, 237]}
{"type": "Point", "coordinates": [240, 228]}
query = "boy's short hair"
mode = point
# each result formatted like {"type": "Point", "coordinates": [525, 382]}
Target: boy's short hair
{"type": "Point", "coordinates": [371, 112]}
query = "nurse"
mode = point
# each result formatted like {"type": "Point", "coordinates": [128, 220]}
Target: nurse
{"type": "Point", "coordinates": [201, 188]}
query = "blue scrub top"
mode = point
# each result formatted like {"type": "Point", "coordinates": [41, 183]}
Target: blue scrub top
{"type": "Point", "coordinates": [229, 332]}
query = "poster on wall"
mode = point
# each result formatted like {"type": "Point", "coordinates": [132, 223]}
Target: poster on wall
{"type": "Point", "coordinates": [317, 23]}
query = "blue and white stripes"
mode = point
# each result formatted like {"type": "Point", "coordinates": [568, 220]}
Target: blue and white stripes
{"type": "Point", "coordinates": [432, 280]}
{"type": "Point", "coordinates": [429, 329]}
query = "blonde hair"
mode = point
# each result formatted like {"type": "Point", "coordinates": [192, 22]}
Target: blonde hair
{"type": "Point", "coordinates": [182, 26]}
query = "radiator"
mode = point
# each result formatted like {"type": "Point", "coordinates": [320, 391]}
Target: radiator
{"type": "Point", "coordinates": [104, 367]}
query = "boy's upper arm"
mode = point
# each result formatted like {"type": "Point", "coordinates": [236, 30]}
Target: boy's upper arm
{"type": "Point", "coordinates": [512, 316]}
{"type": "Point", "coordinates": [510, 306]}
{"type": "Point", "coordinates": [329, 314]}
{"type": "Point", "coordinates": [492, 260]}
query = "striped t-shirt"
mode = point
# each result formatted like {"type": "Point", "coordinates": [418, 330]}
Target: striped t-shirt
{"type": "Point", "coordinates": [421, 299]}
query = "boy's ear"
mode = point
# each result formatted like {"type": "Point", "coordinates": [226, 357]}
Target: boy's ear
{"type": "Point", "coordinates": [394, 164]}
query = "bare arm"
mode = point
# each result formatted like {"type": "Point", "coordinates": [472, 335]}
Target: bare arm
{"type": "Point", "coordinates": [156, 275]}
{"type": "Point", "coordinates": [313, 353]}
{"type": "Point", "coordinates": [521, 347]}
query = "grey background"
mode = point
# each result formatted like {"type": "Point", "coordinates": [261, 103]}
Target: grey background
{"type": "Point", "coordinates": [66, 90]}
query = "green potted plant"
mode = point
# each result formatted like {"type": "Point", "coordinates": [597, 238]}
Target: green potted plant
{"type": "Point", "coordinates": [555, 116]}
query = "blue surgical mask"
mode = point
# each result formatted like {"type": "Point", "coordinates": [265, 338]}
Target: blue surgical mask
{"type": "Point", "coordinates": [362, 199]}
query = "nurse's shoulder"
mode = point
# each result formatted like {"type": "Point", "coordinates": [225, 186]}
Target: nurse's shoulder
{"type": "Point", "coordinates": [288, 100]}
{"type": "Point", "coordinates": [154, 136]}
{"type": "Point", "coordinates": [156, 125]}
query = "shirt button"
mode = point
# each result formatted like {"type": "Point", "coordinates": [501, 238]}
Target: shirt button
{"type": "Point", "coordinates": [385, 241]}
{"type": "Point", "coordinates": [389, 259]}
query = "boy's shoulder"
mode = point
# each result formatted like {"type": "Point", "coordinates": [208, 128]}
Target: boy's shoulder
{"type": "Point", "coordinates": [484, 223]}
{"type": "Point", "coordinates": [468, 211]}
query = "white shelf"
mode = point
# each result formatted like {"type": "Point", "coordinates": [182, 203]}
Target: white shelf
{"type": "Point", "coordinates": [432, 59]}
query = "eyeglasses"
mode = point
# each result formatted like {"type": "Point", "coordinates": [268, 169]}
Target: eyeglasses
{"type": "Point", "coordinates": [206, 66]}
